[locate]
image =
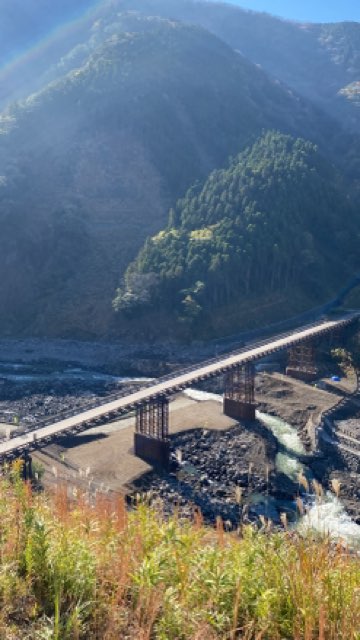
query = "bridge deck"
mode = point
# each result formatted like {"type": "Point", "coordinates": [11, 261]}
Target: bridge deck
{"type": "Point", "coordinates": [168, 386]}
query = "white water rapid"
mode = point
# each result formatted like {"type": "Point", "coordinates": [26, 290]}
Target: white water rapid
{"type": "Point", "coordinates": [327, 516]}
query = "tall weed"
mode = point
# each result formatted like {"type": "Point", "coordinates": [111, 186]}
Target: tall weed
{"type": "Point", "coordinates": [83, 571]}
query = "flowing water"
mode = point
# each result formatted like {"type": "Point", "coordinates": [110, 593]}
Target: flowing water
{"type": "Point", "coordinates": [327, 516]}
{"type": "Point", "coordinates": [287, 459]}
{"type": "Point", "coordinates": [27, 373]}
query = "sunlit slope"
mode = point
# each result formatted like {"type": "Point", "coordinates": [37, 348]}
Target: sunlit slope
{"type": "Point", "coordinates": [320, 61]}
{"type": "Point", "coordinates": [90, 165]}
{"type": "Point", "coordinates": [34, 36]}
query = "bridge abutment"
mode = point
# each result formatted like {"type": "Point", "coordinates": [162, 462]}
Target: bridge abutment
{"type": "Point", "coordinates": [151, 439]}
{"type": "Point", "coordinates": [239, 394]}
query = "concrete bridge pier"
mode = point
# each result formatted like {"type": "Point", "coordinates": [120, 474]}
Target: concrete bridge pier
{"type": "Point", "coordinates": [151, 439]}
{"type": "Point", "coordinates": [302, 362]}
{"type": "Point", "coordinates": [239, 393]}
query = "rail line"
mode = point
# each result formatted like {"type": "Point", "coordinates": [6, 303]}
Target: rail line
{"type": "Point", "coordinates": [73, 421]}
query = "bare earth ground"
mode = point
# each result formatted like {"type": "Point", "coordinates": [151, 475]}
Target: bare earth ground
{"type": "Point", "coordinates": [291, 400]}
{"type": "Point", "coordinates": [103, 457]}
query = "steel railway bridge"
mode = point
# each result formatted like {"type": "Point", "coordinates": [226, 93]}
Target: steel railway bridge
{"type": "Point", "coordinates": [151, 402]}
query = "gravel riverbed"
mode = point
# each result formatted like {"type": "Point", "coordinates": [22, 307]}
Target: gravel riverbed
{"type": "Point", "coordinates": [212, 463]}
{"type": "Point", "coordinates": [229, 474]}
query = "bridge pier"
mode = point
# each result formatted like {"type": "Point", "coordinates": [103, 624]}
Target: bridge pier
{"type": "Point", "coordinates": [302, 362]}
{"type": "Point", "coordinates": [151, 439]}
{"type": "Point", "coordinates": [27, 472]}
{"type": "Point", "coordinates": [239, 393]}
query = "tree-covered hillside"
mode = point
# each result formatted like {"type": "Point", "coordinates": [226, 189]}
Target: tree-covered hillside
{"type": "Point", "coordinates": [90, 165]}
{"type": "Point", "coordinates": [275, 224]}
{"type": "Point", "coordinates": [320, 61]}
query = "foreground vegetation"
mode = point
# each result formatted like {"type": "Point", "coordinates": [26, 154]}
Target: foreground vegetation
{"type": "Point", "coordinates": [71, 570]}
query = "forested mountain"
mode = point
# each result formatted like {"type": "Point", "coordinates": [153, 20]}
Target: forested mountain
{"type": "Point", "coordinates": [90, 165]}
{"type": "Point", "coordinates": [320, 61]}
{"type": "Point", "coordinates": [138, 100]}
{"type": "Point", "coordinates": [273, 228]}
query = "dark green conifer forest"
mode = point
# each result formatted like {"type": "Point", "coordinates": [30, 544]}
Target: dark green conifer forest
{"type": "Point", "coordinates": [276, 219]}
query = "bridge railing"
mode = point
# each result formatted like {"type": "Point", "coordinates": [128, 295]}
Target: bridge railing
{"type": "Point", "coordinates": [69, 413]}
{"type": "Point", "coordinates": [243, 349]}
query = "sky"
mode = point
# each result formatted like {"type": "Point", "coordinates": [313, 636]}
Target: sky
{"type": "Point", "coordinates": [306, 10]}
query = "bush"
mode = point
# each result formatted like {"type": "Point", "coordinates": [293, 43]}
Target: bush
{"type": "Point", "coordinates": [74, 570]}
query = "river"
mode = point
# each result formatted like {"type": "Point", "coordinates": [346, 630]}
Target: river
{"type": "Point", "coordinates": [28, 373]}
{"type": "Point", "coordinates": [326, 516]}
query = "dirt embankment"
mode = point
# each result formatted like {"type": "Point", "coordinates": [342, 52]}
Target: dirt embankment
{"type": "Point", "coordinates": [291, 400]}
{"type": "Point", "coordinates": [106, 454]}
{"type": "Point", "coordinates": [216, 453]}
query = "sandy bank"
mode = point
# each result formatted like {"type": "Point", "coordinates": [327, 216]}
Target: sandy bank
{"type": "Point", "coordinates": [105, 454]}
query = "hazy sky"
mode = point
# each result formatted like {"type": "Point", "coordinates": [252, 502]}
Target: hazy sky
{"type": "Point", "coordinates": [307, 10]}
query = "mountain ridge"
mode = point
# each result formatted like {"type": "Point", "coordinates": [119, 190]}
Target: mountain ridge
{"type": "Point", "coordinates": [317, 60]}
{"type": "Point", "coordinates": [91, 163]}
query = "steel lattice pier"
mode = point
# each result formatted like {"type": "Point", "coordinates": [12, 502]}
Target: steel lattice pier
{"type": "Point", "coordinates": [302, 361]}
{"type": "Point", "coordinates": [151, 441]}
{"type": "Point", "coordinates": [239, 393]}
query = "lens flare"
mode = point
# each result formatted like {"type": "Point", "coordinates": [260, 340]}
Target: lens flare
{"type": "Point", "coordinates": [19, 60]}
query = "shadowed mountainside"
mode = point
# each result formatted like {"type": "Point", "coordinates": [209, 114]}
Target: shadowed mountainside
{"type": "Point", "coordinates": [90, 165]}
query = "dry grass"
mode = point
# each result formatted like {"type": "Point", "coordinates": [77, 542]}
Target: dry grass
{"type": "Point", "coordinates": [80, 571]}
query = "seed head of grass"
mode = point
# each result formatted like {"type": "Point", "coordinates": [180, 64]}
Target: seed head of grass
{"type": "Point", "coordinates": [302, 480]}
{"type": "Point", "coordinates": [300, 506]}
{"type": "Point", "coordinates": [336, 486]}
{"type": "Point", "coordinates": [319, 491]}
{"type": "Point", "coordinates": [284, 520]}
{"type": "Point", "coordinates": [238, 495]}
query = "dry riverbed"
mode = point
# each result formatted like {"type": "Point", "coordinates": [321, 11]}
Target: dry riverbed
{"type": "Point", "coordinates": [216, 455]}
